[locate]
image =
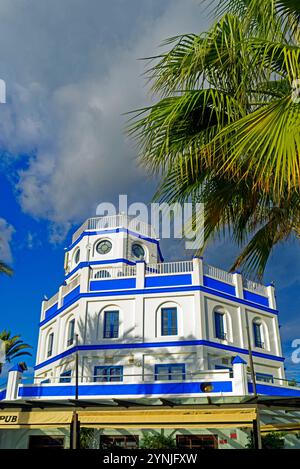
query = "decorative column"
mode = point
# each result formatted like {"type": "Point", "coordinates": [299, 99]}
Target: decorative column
{"type": "Point", "coordinates": [197, 275]}
{"type": "Point", "coordinates": [140, 274]}
{"type": "Point", "coordinates": [238, 282]}
{"type": "Point", "coordinates": [14, 378]}
{"type": "Point", "coordinates": [240, 382]}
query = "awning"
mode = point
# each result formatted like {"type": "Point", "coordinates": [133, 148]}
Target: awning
{"type": "Point", "coordinates": [133, 418]}
{"type": "Point", "coordinates": [34, 419]}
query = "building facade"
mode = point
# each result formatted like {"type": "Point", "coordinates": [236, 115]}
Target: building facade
{"type": "Point", "coordinates": [126, 323]}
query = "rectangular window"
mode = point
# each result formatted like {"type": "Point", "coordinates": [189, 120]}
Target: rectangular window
{"type": "Point", "coordinates": [219, 326]}
{"type": "Point", "coordinates": [71, 332]}
{"type": "Point", "coordinates": [108, 374]}
{"type": "Point", "coordinates": [111, 324]}
{"type": "Point", "coordinates": [126, 441]}
{"type": "Point", "coordinates": [170, 372]}
{"type": "Point", "coordinates": [257, 335]}
{"type": "Point", "coordinates": [169, 321]}
{"type": "Point", "coordinates": [46, 442]}
{"type": "Point", "coordinates": [50, 344]}
{"type": "Point", "coordinates": [65, 377]}
{"type": "Point", "coordinates": [266, 378]}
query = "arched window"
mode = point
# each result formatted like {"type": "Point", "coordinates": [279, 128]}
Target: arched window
{"type": "Point", "coordinates": [111, 325]}
{"type": "Point", "coordinates": [169, 324]}
{"type": "Point", "coordinates": [77, 256]}
{"type": "Point", "coordinates": [102, 274]}
{"type": "Point", "coordinates": [50, 344]}
{"type": "Point", "coordinates": [258, 334]}
{"type": "Point", "coordinates": [220, 325]}
{"type": "Point", "coordinates": [71, 332]}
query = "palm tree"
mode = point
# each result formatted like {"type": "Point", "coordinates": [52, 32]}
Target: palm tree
{"type": "Point", "coordinates": [14, 346]}
{"type": "Point", "coordinates": [225, 130]}
{"type": "Point", "coordinates": [5, 269]}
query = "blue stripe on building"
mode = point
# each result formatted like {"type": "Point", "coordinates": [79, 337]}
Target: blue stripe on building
{"type": "Point", "coordinates": [138, 345]}
{"type": "Point", "coordinates": [273, 391]}
{"type": "Point", "coordinates": [122, 389]}
{"type": "Point", "coordinates": [146, 291]}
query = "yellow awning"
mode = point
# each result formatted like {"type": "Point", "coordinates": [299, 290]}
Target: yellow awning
{"type": "Point", "coordinates": [133, 418]}
{"type": "Point", "coordinates": [34, 419]}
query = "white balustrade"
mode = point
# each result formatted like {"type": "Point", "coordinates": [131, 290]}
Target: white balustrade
{"type": "Point", "coordinates": [169, 268]}
{"type": "Point", "coordinates": [255, 287]}
{"type": "Point", "coordinates": [115, 221]}
{"type": "Point", "coordinates": [218, 274]}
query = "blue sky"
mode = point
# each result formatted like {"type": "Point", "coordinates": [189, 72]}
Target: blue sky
{"type": "Point", "coordinates": [71, 71]}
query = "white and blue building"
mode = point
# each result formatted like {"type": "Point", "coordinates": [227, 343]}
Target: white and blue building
{"type": "Point", "coordinates": [142, 327]}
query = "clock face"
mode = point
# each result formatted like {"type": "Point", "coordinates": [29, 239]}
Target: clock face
{"type": "Point", "coordinates": [77, 256]}
{"type": "Point", "coordinates": [138, 251]}
{"type": "Point", "coordinates": [104, 247]}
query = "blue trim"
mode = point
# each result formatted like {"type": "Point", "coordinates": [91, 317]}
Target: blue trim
{"type": "Point", "coordinates": [138, 345]}
{"type": "Point", "coordinates": [255, 298]}
{"type": "Point", "coordinates": [168, 280]}
{"type": "Point", "coordinates": [218, 285]}
{"type": "Point", "coordinates": [117, 230]}
{"type": "Point", "coordinates": [70, 296]}
{"type": "Point", "coordinates": [81, 265]}
{"type": "Point", "coordinates": [2, 394]}
{"type": "Point", "coordinates": [238, 360]}
{"type": "Point", "coordinates": [123, 389]}
{"type": "Point", "coordinates": [51, 310]}
{"type": "Point", "coordinates": [265, 389]}
{"type": "Point", "coordinates": [163, 290]}
{"type": "Point", "coordinates": [111, 284]}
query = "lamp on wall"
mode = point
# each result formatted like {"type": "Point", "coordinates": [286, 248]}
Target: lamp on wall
{"type": "Point", "coordinates": [206, 387]}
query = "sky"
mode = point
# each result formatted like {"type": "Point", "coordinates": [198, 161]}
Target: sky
{"type": "Point", "coordinates": [72, 71]}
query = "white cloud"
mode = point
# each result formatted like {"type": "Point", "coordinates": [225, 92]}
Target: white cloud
{"type": "Point", "coordinates": [66, 100]}
{"type": "Point", "coordinates": [6, 233]}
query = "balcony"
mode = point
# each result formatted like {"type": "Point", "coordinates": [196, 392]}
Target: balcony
{"type": "Point", "coordinates": [163, 274]}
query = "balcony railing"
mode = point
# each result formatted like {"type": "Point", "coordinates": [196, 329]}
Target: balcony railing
{"type": "Point", "coordinates": [115, 221]}
{"type": "Point", "coordinates": [114, 272]}
{"type": "Point", "coordinates": [70, 286]}
{"type": "Point", "coordinates": [169, 268]}
{"type": "Point", "coordinates": [255, 287]}
{"type": "Point", "coordinates": [218, 273]}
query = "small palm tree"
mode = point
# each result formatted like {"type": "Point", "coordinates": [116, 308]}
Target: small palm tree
{"type": "Point", "coordinates": [5, 269]}
{"type": "Point", "coordinates": [14, 346]}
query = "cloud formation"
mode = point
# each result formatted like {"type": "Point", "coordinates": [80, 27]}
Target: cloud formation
{"type": "Point", "coordinates": [6, 234]}
{"type": "Point", "coordinates": [71, 72]}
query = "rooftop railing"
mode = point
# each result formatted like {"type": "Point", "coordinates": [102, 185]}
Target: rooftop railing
{"type": "Point", "coordinates": [255, 287]}
{"type": "Point", "coordinates": [169, 268]}
{"type": "Point", "coordinates": [114, 272]}
{"type": "Point", "coordinates": [218, 273]}
{"type": "Point", "coordinates": [115, 221]}
{"type": "Point", "coordinates": [160, 268]}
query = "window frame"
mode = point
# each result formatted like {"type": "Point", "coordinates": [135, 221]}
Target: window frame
{"type": "Point", "coordinates": [169, 330]}
{"type": "Point", "coordinates": [50, 348]}
{"type": "Point", "coordinates": [65, 376]}
{"type": "Point", "coordinates": [169, 366]}
{"type": "Point", "coordinates": [258, 334]}
{"type": "Point", "coordinates": [70, 340]}
{"type": "Point", "coordinates": [111, 325]}
{"type": "Point", "coordinates": [97, 378]}
{"type": "Point", "coordinates": [220, 332]}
